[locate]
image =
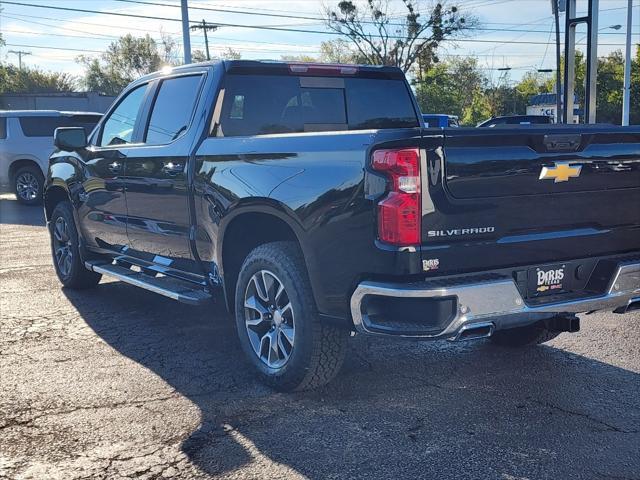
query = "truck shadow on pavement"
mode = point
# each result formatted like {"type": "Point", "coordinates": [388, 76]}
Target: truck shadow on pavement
{"type": "Point", "coordinates": [14, 213]}
{"type": "Point", "coordinates": [397, 410]}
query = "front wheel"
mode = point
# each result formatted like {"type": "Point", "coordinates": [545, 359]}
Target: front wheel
{"type": "Point", "coordinates": [65, 250]}
{"type": "Point", "coordinates": [278, 324]}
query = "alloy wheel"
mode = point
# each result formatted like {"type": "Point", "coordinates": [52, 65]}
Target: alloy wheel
{"type": "Point", "coordinates": [269, 319]}
{"type": "Point", "coordinates": [27, 186]}
{"type": "Point", "coordinates": [62, 246]}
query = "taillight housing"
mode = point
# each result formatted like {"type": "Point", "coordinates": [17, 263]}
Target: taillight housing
{"type": "Point", "coordinates": [399, 212]}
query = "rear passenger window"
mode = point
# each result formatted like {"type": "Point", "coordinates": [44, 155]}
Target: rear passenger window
{"type": "Point", "coordinates": [264, 104]}
{"type": "Point", "coordinates": [38, 126]}
{"type": "Point", "coordinates": [172, 109]}
{"type": "Point", "coordinates": [3, 128]}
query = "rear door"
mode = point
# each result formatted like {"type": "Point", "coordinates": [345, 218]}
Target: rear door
{"type": "Point", "coordinates": [532, 194]}
{"type": "Point", "coordinates": [158, 220]}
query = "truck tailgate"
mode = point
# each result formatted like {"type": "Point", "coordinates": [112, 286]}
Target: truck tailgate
{"type": "Point", "coordinates": [518, 196]}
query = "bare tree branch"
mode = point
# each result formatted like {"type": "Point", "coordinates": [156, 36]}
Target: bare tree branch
{"type": "Point", "coordinates": [382, 39]}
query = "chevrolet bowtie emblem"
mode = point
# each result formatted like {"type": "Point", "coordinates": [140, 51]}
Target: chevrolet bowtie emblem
{"type": "Point", "coordinates": [562, 172]}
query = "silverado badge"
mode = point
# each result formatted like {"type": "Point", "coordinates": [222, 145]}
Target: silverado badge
{"type": "Point", "coordinates": [561, 172]}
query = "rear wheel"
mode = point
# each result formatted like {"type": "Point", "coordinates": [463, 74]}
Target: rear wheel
{"type": "Point", "coordinates": [534, 334]}
{"type": "Point", "coordinates": [278, 323]}
{"type": "Point", "coordinates": [27, 185]}
{"type": "Point", "coordinates": [65, 250]}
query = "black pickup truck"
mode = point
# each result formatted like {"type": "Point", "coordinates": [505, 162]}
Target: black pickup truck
{"type": "Point", "coordinates": [314, 200]}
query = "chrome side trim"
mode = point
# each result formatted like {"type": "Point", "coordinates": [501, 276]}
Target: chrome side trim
{"type": "Point", "coordinates": [478, 302]}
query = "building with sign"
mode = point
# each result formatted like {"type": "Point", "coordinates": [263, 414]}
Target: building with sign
{"type": "Point", "coordinates": [545, 104]}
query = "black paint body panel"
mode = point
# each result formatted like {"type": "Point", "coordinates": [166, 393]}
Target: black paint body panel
{"type": "Point", "coordinates": [322, 186]}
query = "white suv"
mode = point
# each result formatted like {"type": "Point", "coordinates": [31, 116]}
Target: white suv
{"type": "Point", "coordinates": [26, 142]}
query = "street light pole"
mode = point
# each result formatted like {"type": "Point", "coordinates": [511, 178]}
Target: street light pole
{"type": "Point", "coordinates": [626, 92]}
{"type": "Point", "coordinates": [186, 39]}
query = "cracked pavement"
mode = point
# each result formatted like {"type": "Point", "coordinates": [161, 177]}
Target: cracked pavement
{"type": "Point", "coordinates": [117, 382]}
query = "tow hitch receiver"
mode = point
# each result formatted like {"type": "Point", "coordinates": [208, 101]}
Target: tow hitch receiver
{"type": "Point", "coordinates": [564, 323]}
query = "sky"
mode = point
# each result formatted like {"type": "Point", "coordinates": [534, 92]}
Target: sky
{"type": "Point", "coordinates": [510, 33]}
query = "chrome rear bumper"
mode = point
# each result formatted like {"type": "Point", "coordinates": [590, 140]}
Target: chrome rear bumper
{"type": "Point", "coordinates": [482, 301]}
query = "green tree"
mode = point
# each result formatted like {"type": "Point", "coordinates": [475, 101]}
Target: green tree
{"type": "Point", "coordinates": [532, 83]}
{"type": "Point", "coordinates": [227, 54]}
{"type": "Point", "coordinates": [479, 109]}
{"type": "Point", "coordinates": [33, 80]}
{"type": "Point", "coordinates": [125, 60]}
{"type": "Point", "coordinates": [443, 88]}
{"type": "Point", "coordinates": [299, 58]}
{"type": "Point", "coordinates": [634, 117]}
{"type": "Point", "coordinates": [609, 88]}
{"type": "Point", "coordinates": [382, 39]}
{"type": "Point", "coordinates": [339, 51]}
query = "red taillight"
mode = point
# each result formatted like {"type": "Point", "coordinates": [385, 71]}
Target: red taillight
{"type": "Point", "coordinates": [399, 212]}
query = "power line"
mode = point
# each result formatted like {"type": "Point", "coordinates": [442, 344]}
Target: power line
{"type": "Point", "coordinates": [53, 48]}
{"type": "Point", "coordinates": [302, 17]}
{"type": "Point", "coordinates": [258, 27]}
{"type": "Point", "coordinates": [30, 20]}
{"type": "Point", "coordinates": [56, 35]}
{"type": "Point", "coordinates": [58, 19]}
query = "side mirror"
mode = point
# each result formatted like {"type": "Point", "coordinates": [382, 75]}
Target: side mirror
{"type": "Point", "coordinates": [70, 138]}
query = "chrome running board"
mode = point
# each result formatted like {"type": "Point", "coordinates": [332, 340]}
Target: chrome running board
{"type": "Point", "coordinates": [170, 287]}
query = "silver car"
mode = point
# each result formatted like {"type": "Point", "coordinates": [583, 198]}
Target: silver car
{"type": "Point", "coordinates": [26, 142]}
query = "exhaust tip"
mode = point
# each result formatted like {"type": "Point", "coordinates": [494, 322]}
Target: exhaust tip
{"type": "Point", "coordinates": [475, 331]}
{"type": "Point", "coordinates": [633, 304]}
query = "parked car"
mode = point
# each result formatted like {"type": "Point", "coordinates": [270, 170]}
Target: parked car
{"type": "Point", "coordinates": [516, 120]}
{"type": "Point", "coordinates": [439, 120]}
{"type": "Point", "coordinates": [26, 142]}
{"type": "Point", "coordinates": [312, 201]}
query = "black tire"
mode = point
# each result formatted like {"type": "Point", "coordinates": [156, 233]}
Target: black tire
{"type": "Point", "coordinates": [28, 183]}
{"type": "Point", "coordinates": [318, 349]}
{"type": "Point", "coordinates": [534, 334]}
{"type": "Point", "coordinates": [70, 268]}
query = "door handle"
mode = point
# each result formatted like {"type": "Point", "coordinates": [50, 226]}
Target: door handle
{"type": "Point", "coordinates": [115, 167]}
{"type": "Point", "coordinates": [173, 168]}
{"type": "Point", "coordinates": [562, 143]}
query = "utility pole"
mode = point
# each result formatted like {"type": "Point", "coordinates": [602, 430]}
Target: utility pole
{"type": "Point", "coordinates": [571, 22]}
{"type": "Point", "coordinates": [204, 26]}
{"type": "Point", "coordinates": [626, 92]}
{"type": "Point", "coordinates": [558, 6]}
{"type": "Point", "coordinates": [186, 39]}
{"type": "Point", "coordinates": [19, 53]}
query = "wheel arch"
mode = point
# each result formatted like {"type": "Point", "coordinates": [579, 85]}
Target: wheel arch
{"type": "Point", "coordinates": [271, 223]}
{"type": "Point", "coordinates": [21, 162]}
{"type": "Point", "coordinates": [53, 195]}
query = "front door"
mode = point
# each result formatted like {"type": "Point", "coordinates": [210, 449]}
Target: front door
{"type": "Point", "coordinates": [158, 221]}
{"type": "Point", "coordinates": [103, 211]}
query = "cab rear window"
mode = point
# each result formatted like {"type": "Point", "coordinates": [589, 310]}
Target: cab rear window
{"type": "Point", "coordinates": [268, 104]}
{"type": "Point", "coordinates": [3, 128]}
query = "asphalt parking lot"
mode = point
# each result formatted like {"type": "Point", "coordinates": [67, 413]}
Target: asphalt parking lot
{"type": "Point", "coordinates": [116, 382]}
